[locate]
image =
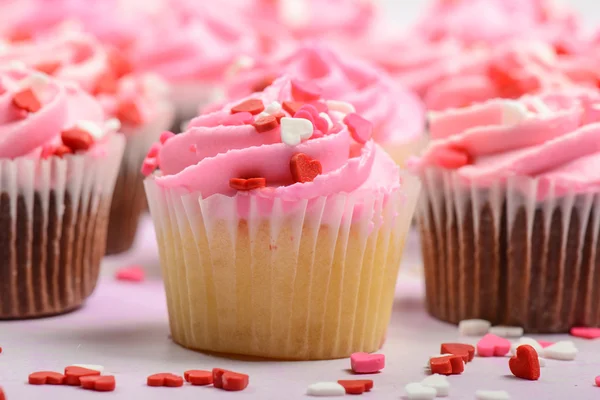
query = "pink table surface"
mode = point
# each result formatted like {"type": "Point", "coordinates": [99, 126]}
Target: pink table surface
{"type": "Point", "coordinates": [124, 328]}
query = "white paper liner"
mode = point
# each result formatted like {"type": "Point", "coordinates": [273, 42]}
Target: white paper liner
{"type": "Point", "coordinates": [287, 285]}
{"type": "Point", "coordinates": [189, 97]}
{"type": "Point", "coordinates": [53, 217]}
{"type": "Point", "coordinates": [509, 255]}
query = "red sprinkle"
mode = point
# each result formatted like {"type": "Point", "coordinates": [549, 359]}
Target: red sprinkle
{"type": "Point", "coordinates": [266, 124]}
{"type": "Point", "coordinates": [20, 36]}
{"type": "Point", "coordinates": [597, 383]}
{"type": "Point", "coordinates": [118, 63]}
{"type": "Point", "coordinates": [198, 377]}
{"type": "Point", "coordinates": [48, 67]}
{"type": "Point", "coordinates": [466, 351]}
{"type": "Point", "coordinates": [2, 395]}
{"type": "Point", "coordinates": [247, 184]}
{"type": "Point", "coordinates": [217, 374]}
{"type": "Point", "coordinates": [452, 157]}
{"type": "Point", "coordinates": [292, 107]}
{"type": "Point", "coordinates": [77, 139]}
{"type": "Point", "coordinates": [46, 378]}
{"type": "Point", "coordinates": [360, 128]}
{"type": "Point", "coordinates": [358, 386]}
{"type": "Point", "coordinates": [526, 364]}
{"type": "Point", "coordinates": [129, 113]}
{"type": "Point", "coordinates": [106, 83]}
{"type": "Point", "coordinates": [133, 273]}
{"type": "Point", "coordinates": [105, 383]}
{"type": "Point", "coordinates": [73, 374]}
{"type": "Point", "coordinates": [149, 166]}
{"type": "Point", "coordinates": [61, 150]}
{"type": "Point", "coordinates": [26, 100]}
{"type": "Point", "coordinates": [154, 149]}
{"type": "Point", "coordinates": [165, 379]}
{"type": "Point", "coordinates": [585, 333]}
{"type": "Point", "coordinates": [304, 168]}
{"type": "Point", "coordinates": [262, 84]}
{"type": "Point", "coordinates": [278, 116]}
{"type": "Point", "coordinates": [253, 106]}
{"type": "Point", "coordinates": [166, 135]}
{"type": "Point", "coordinates": [305, 90]}
{"type": "Point", "coordinates": [234, 382]}
{"type": "Point", "coordinates": [448, 365]}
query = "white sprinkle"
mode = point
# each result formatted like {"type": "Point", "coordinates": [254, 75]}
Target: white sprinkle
{"type": "Point", "coordinates": [439, 383]}
{"type": "Point", "coordinates": [506, 331]}
{"type": "Point", "coordinates": [474, 327]}
{"type": "Point", "coordinates": [526, 340]}
{"type": "Point", "coordinates": [112, 125]}
{"type": "Point", "coordinates": [417, 391]}
{"type": "Point", "coordinates": [326, 389]}
{"type": "Point", "coordinates": [513, 113]}
{"type": "Point", "coordinates": [325, 116]}
{"type": "Point", "coordinates": [92, 128]}
{"type": "Point", "coordinates": [492, 395]}
{"type": "Point", "coordinates": [564, 350]}
{"type": "Point", "coordinates": [341, 106]}
{"type": "Point", "coordinates": [273, 108]}
{"type": "Point", "coordinates": [294, 130]}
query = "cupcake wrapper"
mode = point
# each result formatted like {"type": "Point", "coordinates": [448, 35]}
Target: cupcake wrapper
{"type": "Point", "coordinates": [315, 281]}
{"type": "Point", "coordinates": [53, 218]}
{"type": "Point", "coordinates": [502, 255]}
{"type": "Point", "coordinates": [128, 199]}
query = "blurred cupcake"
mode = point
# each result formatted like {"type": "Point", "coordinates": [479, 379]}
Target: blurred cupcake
{"type": "Point", "coordinates": [397, 115]}
{"type": "Point", "coordinates": [302, 219]}
{"type": "Point", "coordinates": [139, 101]}
{"type": "Point", "coordinates": [509, 214]}
{"type": "Point", "coordinates": [57, 182]}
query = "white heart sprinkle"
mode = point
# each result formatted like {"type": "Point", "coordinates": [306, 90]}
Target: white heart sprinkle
{"type": "Point", "coordinates": [112, 125]}
{"type": "Point", "coordinates": [294, 130]}
{"type": "Point", "coordinates": [273, 108]}
{"type": "Point", "coordinates": [526, 340]}
{"type": "Point", "coordinates": [513, 113]}
{"type": "Point", "coordinates": [506, 331]}
{"type": "Point", "coordinates": [325, 116]}
{"type": "Point", "coordinates": [417, 391]}
{"type": "Point", "coordinates": [474, 327]}
{"type": "Point", "coordinates": [94, 367]}
{"type": "Point", "coordinates": [92, 128]}
{"type": "Point", "coordinates": [439, 383]}
{"type": "Point", "coordinates": [564, 350]}
{"type": "Point", "coordinates": [492, 395]}
{"type": "Point", "coordinates": [341, 106]}
{"type": "Point", "coordinates": [326, 389]}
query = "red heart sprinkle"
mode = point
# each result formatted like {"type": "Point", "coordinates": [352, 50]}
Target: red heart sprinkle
{"type": "Point", "coordinates": [133, 273]}
{"type": "Point", "coordinates": [218, 377]}
{"type": "Point", "coordinates": [247, 184]}
{"type": "Point", "coordinates": [278, 116]}
{"type": "Point", "coordinates": [525, 364]}
{"type": "Point", "coordinates": [452, 157]}
{"type": "Point", "coordinates": [118, 63]}
{"type": "Point", "coordinates": [304, 168]}
{"type": "Point", "coordinates": [73, 374]}
{"type": "Point", "coordinates": [26, 100]}
{"type": "Point", "coordinates": [597, 382]}
{"type": "Point", "coordinates": [198, 377]}
{"type": "Point", "coordinates": [129, 113]}
{"type": "Point", "coordinates": [154, 150]}
{"type": "Point", "coordinates": [292, 107]}
{"type": "Point", "coordinates": [466, 351]}
{"type": "Point", "coordinates": [106, 83]}
{"type": "Point", "coordinates": [262, 84]}
{"type": "Point", "coordinates": [2, 396]}
{"type": "Point", "coordinates": [105, 383]}
{"type": "Point", "coordinates": [46, 378]}
{"type": "Point", "coordinates": [266, 124]}
{"type": "Point", "coordinates": [166, 135]}
{"type": "Point", "coordinates": [148, 166]}
{"type": "Point", "coordinates": [358, 386]}
{"type": "Point", "coordinates": [585, 333]}
{"type": "Point", "coordinates": [447, 365]}
{"type": "Point", "coordinates": [61, 150]}
{"type": "Point", "coordinates": [234, 382]}
{"type": "Point", "coordinates": [77, 139]}
{"type": "Point", "coordinates": [48, 68]}
{"type": "Point", "coordinates": [165, 379]}
{"type": "Point", "coordinates": [253, 106]}
{"type": "Point", "coordinates": [305, 90]}
{"type": "Point", "coordinates": [360, 128]}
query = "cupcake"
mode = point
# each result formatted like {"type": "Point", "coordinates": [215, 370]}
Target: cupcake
{"type": "Point", "coordinates": [57, 182]}
{"type": "Point", "coordinates": [303, 217]}
{"type": "Point", "coordinates": [139, 101]}
{"type": "Point", "coordinates": [508, 218]}
{"type": "Point", "coordinates": [397, 114]}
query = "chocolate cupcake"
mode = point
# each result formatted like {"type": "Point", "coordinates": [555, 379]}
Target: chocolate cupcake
{"type": "Point", "coordinates": [510, 213]}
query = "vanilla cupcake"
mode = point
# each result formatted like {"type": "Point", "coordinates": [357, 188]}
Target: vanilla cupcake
{"type": "Point", "coordinates": [295, 211]}
{"type": "Point", "coordinates": [56, 189]}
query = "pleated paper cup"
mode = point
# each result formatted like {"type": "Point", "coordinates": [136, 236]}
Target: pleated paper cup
{"type": "Point", "coordinates": [53, 219]}
{"type": "Point", "coordinates": [519, 252]}
{"type": "Point", "coordinates": [129, 200]}
{"type": "Point", "coordinates": [303, 280]}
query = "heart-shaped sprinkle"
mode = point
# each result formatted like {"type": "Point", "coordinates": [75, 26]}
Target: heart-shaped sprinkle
{"type": "Point", "coordinates": [294, 130]}
{"type": "Point", "coordinates": [545, 343]}
{"type": "Point", "coordinates": [106, 83]}
{"type": "Point", "coordinates": [105, 383]}
{"type": "Point", "coordinates": [166, 135]}
{"type": "Point", "coordinates": [154, 150]}
{"type": "Point", "coordinates": [273, 108]}
{"type": "Point", "coordinates": [133, 273]}
{"type": "Point", "coordinates": [237, 119]}
{"type": "Point", "coordinates": [263, 83]}
{"type": "Point", "coordinates": [320, 106]}
{"type": "Point", "coordinates": [77, 139]}
{"type": "Point", "coordinates": [563, 350]}
{"type": "Point", "coordinates": [46, 378]}
{"type": "Point", "coordinates": [327, 119]}
{"type": "Point", "coordinates": [506, 331]}
{"type": "Point", "coordinates": [598, 380]}
{"type": "Point", "coordinates": [586, 333]}
{"type": "Point", "coordinates": [466, 351]}
{"type": "Point", "coordinates": [357, 386]}
{"type": "Point", "coordinates": [326, 389]}
{"type": "Point", "coordinates": [247, 184]}
{"type": "Point", "coordinates": [492, 346]}
{"type": "Point", "coordinates": [365, 363]}
{"type": "Point", "coordinates": [218, 377]}
{"type": "Point", "coordinates": [278, 116]}
{"type": "Point", "coordinates": [305, 90]}
{"type": "Point", "coordinates": [92, 128]}
{"type": "Point", "coordinates": [360, 128]}
{"type": "Point", "coordinates": [73, 374]}
{"type": "Point", "coordinates": [118, 63]}
{"type": "Point", "coordinates": [61, 150]}
{"type": "Point", "coordinates": [448, 365]}
{"type": "Point", "coordinates": [253, 106]}
{"type": "Point", "coordinates": [234, 382]}
{"type": "Point", "coordinates": [292, 107]}
{"type": "Point", "coordinates": [48, 68]}
{"type": "Point", "coordinates": [2, 395]}
{"type": "Point", "coordinates": [266, 124]}
{"type": "Point", "coordinates": [306, 169]}
{"type": "Point", "coordinates": [526, 340]}
{"type": "Point", "coordinates": [93, 367]}
{"type": "Point", "coordinates": [492, 395]}
{"type": "Point", "coordinates": [474, 327]}
{"type": "Point", "coordinates": [198, 377]}
{"type": "Point", "coordinates": [439, 383]}
{"type": "Point", "coordinates": [451, 157]}
{"type": "Point", "coordinates": [525, 364]}
{"type": "Point", "coordinates": [129, 113]}
{"type": "Point", "coordinates": [340, 106]}
{"type": "Point", "coordinates": [26, 100]}
{"type": "Point", "coordinates": [149, 166]}
{"type": "Point", "coordinates": [165, 379]}
{"type": "Point", "coordinates": [417, 391]}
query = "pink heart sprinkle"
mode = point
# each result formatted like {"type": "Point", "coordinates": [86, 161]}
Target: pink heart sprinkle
{"type": "Point", "coordinates": [544, 343]}
{"type": "Point", "coordinates": [493, 346]}
{"type": "Point", "coordinates": [360, 128]}
{"type": "Point", "coordinates": [305, 114]}
{"type": "Point", "coordinates": [365, 363]}
{"type": "Point", "coordinates": [133, 273]}
{"type": "Point", "coordinates": [598, 380]}
{"type": "Point", "coordinates": [153, 152]}
{"type": "Point", "coordinates": [586, 333]}
{"type": "Point", "coordinates": [149, 165]}
{"type": "Point", "coordinates": [166, 135]}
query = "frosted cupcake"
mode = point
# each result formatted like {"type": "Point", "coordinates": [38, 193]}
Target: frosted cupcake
{"type": "Point", "coordinates": [140, 102]}
{"type": "Point", "coordinates": [302, 219]}
{"type": "Point", "coordinates": [56, 186]}
{"type": "Point", "coordinates": [509, 215]}
{"type": "Point", "coordinates": [397, 115]}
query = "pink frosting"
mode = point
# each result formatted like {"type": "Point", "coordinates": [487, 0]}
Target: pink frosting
{"type": "Point", "coordinates": [554, 138]}
{"type": "Point", "coordinates": [397, 114]}
{"type": "Point", "coordinates": [63, 105]}
{"type": "Point", "coordinates": [208, 154]}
